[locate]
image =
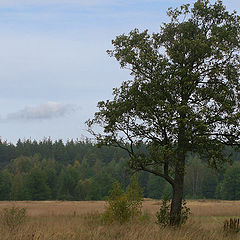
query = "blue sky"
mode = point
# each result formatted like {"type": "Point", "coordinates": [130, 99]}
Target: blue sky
{"type": "Point", "coordinates": [53, 62]}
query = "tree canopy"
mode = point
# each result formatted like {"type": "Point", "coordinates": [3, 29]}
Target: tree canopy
{"type": "Point", "coordinates": [183, 96]}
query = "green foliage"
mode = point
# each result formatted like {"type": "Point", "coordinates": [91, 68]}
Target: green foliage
{"type": "Point", "coordinates": [200, 180]}
{"type": "Point", "coordinates": [123, 206]}
{"type": "Point", "coordinates": [68, 182]}
{"type": "Point", "coordinates": [163, 215]}
{"type": "Point", "coordinates": [183, 96]}
{"type": "Point", "coordinates": [13, 217]}
{"type": "Point", "coordinates": [118, 208]}
{"type": "Point", "coordinates": [78, 181]}
{"type": "Point", "coordinates": [209, 183]}
{"type": "Point", "coordinates": [185, 212]}
{"type": "Point", "coordinates": [194, 176]}
{"type": "Point", "coordinates": [22, 164]}
{"type": "Point", "coordinates": [100, 186]}
{"type": "Point", "coordinates": [82, 189]}
{"type": "Point", "coordinates": [37, 185]}
{"type": "Point", "coordinates": [5, 185]}
{"type": "Point", "coordinates": [19, 188]}
{"type": "Point", "coordinates": [155, 187]}
{"type": "Point", "coordinates": [229, 188]}
{"type": "Point", "coordinates": [135, 197]}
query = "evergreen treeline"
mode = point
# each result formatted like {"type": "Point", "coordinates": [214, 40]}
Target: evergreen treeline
{"type": "Point", "coordinates": [78, 170]}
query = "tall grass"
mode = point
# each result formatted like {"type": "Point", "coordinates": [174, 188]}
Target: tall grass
{"type": "Point", "coordinates": [57, 221]}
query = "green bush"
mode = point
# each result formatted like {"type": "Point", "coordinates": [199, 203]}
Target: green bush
{"type": "Point", "coordinates": [13, 217]}
{"type": "Point", "coordinates": [185, 212]}
{"type": "Point", "coordinates": [118, 209]}
{"type": "Point", "coordinates": [163, 215]}
{"type": "Point", "coordinates": [123, 206]}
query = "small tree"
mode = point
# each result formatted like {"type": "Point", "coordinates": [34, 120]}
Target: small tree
{"type": "Point", "coordinates": [122, 206]}
{"type": "Point", "coordinates": [118, 207]}
{"type": "Point", "coordinates": [135, 197]}
{"type": "Point", "coordinates": [184, 95]}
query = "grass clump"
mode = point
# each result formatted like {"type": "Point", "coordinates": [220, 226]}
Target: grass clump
{"type": "Point", "coordinates": [13, 217]}
{"type": "Point", "coordinates": [231, 226]}
{"type": "Point", "coordinates": [124, 205]}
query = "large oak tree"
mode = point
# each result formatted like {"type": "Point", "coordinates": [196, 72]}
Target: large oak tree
{"type": "Point", "coordinates": [183, 96]}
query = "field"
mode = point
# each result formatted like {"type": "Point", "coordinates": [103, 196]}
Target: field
{"type": "Point", "coordinates": [59, 220]}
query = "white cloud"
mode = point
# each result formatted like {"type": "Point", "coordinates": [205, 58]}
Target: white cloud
{"type": "Point", "coordinates": [43, 111]}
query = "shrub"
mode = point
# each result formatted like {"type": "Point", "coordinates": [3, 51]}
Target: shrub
{"type": "Point", "coordinates": [123, 206]}
{"type": "Point", "coordinates": [163, 215]}
{"type": "Point", "coordinates": [13, 217]}
{"type": "Point", "coordinates": [185, 212]}
{"type": "Point", "coordinates": [118, 209]}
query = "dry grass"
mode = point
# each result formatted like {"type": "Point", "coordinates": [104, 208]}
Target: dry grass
{"type": "Point", "coordinates": [80, 220]}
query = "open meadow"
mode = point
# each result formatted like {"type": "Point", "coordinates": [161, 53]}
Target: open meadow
{"type": "Point", "coordinates": [64, 220]}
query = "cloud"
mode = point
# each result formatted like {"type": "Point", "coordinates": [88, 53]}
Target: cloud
{"type": "Point", "coordinates": [47, 110]}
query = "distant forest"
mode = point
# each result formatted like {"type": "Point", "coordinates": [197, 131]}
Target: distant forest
{"type": "Point", "coordinates": [79, 170]}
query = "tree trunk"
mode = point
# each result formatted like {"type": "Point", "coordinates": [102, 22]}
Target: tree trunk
{"type": "Point", "coordinates": [176, 204]}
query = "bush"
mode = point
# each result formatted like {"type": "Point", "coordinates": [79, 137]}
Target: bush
{"type": "Point", "coordinates": [123, 206]}
{"type": "Point", "coordinates": [185, 212]}
{"type": "Point", "coordinates": [163, 216]}
{"type": "Point", "coordinates": [118, 208]}
{"type": "Point", "coordinates": [13, 217]}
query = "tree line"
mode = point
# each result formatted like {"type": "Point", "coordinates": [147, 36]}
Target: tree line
{"type": "Point", "coordinates": [79, 170]}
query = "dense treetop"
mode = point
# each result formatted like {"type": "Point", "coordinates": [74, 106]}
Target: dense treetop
{"type": "Point", "coordinates": [184, 95]}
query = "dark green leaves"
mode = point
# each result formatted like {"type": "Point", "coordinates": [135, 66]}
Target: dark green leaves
{"type": "Point", "coordinates": [184, 94]}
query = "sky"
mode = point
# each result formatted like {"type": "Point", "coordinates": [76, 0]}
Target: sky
{"type": "Point", "coordinates": [53, 62]}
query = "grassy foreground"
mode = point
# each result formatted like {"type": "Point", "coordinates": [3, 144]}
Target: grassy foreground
{"type": "Point", "coordinates": [80, 221]}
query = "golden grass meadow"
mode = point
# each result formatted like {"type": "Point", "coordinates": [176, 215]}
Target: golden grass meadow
{"type": "Point", "coordinates": [64, 220]}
